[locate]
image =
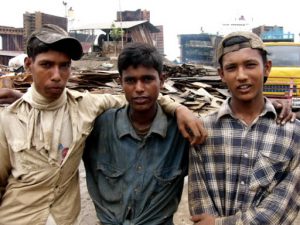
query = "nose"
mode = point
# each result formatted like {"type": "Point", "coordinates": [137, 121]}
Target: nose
{"type": "Point", "coordinates": [56, 76]}
{"type": "Point", "coordinates": [139, 87]}
{"type": "Point", "coordinates": [241, 74]}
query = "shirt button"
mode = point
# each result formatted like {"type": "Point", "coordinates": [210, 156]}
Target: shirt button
{"type": "Point", "coordinates": [242, 182]}
{"type": "Point", "coordinates": [139, 167]}
{"type": "Point", "coordinates": [246, 155]}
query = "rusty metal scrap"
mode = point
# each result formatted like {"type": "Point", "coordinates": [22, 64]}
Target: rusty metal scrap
{"type": "Point", "coordinates": [196, 86]}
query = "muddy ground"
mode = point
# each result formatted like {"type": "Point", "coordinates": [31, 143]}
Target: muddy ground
{"type": "Point", "coordinates": [88, 216]}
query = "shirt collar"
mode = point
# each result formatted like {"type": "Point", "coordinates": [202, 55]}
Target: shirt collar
{"type": "Point", "coordinates": [124, 126]}
{"type": "Point", "coordinates": [72, 95]}
{"type": "Point", "coordinates": [226, 110]}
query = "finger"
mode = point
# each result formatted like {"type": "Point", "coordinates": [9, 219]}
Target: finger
{"type": "Point", "coordinates": [285, 110]}
{"type": "Point", "coordinates": [277, 104]}
{"type": "Point", "coordinates": [200, 134]}
{"type": "Point", "coordinates": [7, 100]}
{"type": "Point", "coordinates": [286, 119]}
{"type": "Point", "coordinates": [204, 133]}
{"type": "Point", "coordinates": [196, 218]}
{"type": "Point", "coordinates": [184, 131]}
{"type": "Point", "coordinates": [294, 116]}
{"type": "Point", "coordinates": [201, 139]}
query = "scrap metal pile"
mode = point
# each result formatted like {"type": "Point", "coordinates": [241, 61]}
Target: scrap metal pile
{"type": "Point", "coordinates": [197, 86]}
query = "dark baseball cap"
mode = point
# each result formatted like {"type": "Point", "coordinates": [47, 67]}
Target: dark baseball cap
{"type": "Point", "coordinates": [251, 41]}
{"type": "Point", "coordinates": [51, 34]}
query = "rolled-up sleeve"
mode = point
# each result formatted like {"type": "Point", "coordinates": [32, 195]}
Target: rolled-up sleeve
{"type": "Point", "coordinates": [103, 102]}
{"type": "Point", "coordinates": [5, 165]}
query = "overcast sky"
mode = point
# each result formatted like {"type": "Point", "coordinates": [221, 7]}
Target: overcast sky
{"type": "Point", "coordinates": [177, 17]}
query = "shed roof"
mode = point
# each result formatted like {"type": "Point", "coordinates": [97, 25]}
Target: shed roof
{"type": "Point", "coordinates": [10, 53]}
{"type": "Point", "coordinates": [106, 27]}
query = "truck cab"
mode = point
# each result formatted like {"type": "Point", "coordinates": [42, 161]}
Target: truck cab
{"type": "Point", "coordinates": [284, 79]}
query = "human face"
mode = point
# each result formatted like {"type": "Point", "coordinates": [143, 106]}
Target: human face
{"type": "Point", "coordinates": [141, 86]}
{"type": "Point", "coordinates": [50, 71]}
{"type": "Point", "coordinates": [243, 71]}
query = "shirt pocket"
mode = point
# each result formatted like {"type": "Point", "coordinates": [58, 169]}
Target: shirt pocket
{"type": "Point", "coordinates": [26, 160]}
{"type": "Point", "coordinates": [109, 182]}
{"type": "Point", "coordinates": [19, 156]}
{"type": "Point", "coordinates": [166, 177]}
{"type": "Point", "coordinates": [267, 171]}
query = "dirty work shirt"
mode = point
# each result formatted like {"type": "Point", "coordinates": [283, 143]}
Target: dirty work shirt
{"type": "Point", "coordinates": [246, 174]}
{"type": "Point", "coordinates": [134, 180]}
{"type": "Point", "coordinates": [35, 179]}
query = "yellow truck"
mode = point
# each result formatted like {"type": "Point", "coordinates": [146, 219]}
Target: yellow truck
{"type": "Point", "coordinates": [284, 79]}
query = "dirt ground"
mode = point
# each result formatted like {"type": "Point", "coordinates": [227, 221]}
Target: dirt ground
{"type": "Point", "coordinates": [88, 216]}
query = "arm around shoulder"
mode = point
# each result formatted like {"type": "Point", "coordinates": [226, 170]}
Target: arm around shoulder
{"type": "Point", "coordinates": [189, 125]}
{"type": "Point", "coordinates": [5, 165]}
{"type": "Point", "coordinates": [102, 102]}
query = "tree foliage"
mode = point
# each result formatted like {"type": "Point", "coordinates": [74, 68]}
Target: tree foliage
{"type": "Point", "coordinates": [116, 33]}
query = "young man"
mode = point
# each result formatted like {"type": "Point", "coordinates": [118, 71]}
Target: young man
{"type": "Point", "coordinates": [248, 171]}
{"type": "Point", "coordinates": [42, 135]}
{"type": "Point", "coordinates": [135, 157]}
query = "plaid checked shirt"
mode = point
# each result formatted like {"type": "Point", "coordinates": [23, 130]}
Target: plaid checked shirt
{"type": "Point", "coordinates": [246, 174]}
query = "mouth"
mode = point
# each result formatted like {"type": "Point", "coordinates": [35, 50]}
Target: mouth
{"type": "Point", "coordinates": [244, 87]}
{"type": "Point", "coordinates": [140, 100]}
{"type": "Point", "coordinates": [56, 89]}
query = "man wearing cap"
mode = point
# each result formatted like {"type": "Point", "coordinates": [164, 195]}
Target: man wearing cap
{"type": "Point", "coordinates": [248, 171]}
{"type": "Point", "coordinates": [42, 135]}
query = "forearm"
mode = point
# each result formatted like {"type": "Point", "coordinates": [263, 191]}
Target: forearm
{"type": "Point", "coordinates": [5, 163]}
{"type": "Point", "coordinates": [103, 102]}
{"type": "Point", "coordinates": [168, 105]}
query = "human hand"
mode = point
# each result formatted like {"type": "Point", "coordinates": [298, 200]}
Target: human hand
{"type": "Point", "coordinates": [283, 107]}
{"type": "Point", "coordinates": [203, 219]}
{"type": "Point", "coordinates": [8, 96]}
{"type": "Point", "coordinates": [190, 126]}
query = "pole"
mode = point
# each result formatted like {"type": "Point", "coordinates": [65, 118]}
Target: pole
{"type": "Point", "coordinates": [121, 20]}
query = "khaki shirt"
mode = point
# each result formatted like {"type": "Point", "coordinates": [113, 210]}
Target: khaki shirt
{"type": "Point", "coordinates": [31, 185]}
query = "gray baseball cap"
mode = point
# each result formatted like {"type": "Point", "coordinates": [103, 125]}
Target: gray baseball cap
{"type": "Point", "coordinates": [51, 34]}
{"type": "Point", "coordinates": [253, 41]}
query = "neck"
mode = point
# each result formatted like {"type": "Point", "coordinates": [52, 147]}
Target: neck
{"type": "Point", "coordinates": [247, 111]}
{"type": "Point", "coordinates": [36, 100]}
{"type": "Point", "coordinates": [142, 120]}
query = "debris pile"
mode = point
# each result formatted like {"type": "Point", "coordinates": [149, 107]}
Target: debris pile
{"type": "Point", "coordinates": [196, 86]}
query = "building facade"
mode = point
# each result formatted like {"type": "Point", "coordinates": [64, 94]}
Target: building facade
{"type": "Point", "coordinates": [34, 21]}
{"type": "Point", "coordinates": [198, 48]}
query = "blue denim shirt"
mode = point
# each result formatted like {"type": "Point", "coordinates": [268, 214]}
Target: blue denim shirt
{"type": "Point", "coordinates": [133, 180]}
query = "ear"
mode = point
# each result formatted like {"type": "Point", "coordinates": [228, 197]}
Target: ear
{"type": "Point", "coordinates": [221, 74]}
{"type": "Point", "coordinates": [162, 80]}
{"type": "Point", "coordinates": [267, 69]}
{"type": "Point", "coordinates": [27, 64]}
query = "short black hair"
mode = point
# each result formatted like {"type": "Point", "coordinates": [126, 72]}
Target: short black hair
{"type": "Point", "coordinates": [140, 54]}
{"type": "Point", "coordinates": [239, 40]}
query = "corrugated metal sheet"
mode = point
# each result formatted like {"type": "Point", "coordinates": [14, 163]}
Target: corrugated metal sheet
{"type": "Point", "coordinates": [10, 53]}
{"type": "Point", "coordinates": [5, 56]}
{"type": "Point", "coordinates": [106, 27]}
{"type": "Point", "coordinates": [141, 34]}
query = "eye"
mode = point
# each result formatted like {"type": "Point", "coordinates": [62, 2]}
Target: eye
{"type": "Point", "coordinates": [46, 65]}
{"type": "Point", "coordinates": [129, 80]}
{"type": "Point", "coordinates": [251, 65]}
{"type": "Point", "coordinates": [65, 66]}
{"type": "Point", "coordinates": [148, 79]}
{"type": "Point", "coordinates": [230, 68]}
